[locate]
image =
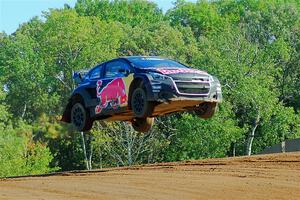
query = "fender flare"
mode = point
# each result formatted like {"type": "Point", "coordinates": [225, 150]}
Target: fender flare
{"type": "Point", "coordinates": [146, 79]}
{"type": "Point", "coordinates": [85, 96]}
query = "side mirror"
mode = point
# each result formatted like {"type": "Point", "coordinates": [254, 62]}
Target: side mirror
{"type": "Point", "coordinates": [77, 77]}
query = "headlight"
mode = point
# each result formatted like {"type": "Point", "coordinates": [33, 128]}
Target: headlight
{"type": "Point", "coordinates": [157, 76]}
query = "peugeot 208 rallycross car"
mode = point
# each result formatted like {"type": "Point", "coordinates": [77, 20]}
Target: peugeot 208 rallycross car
{"type": "Point", "coordinates": [139, 88]}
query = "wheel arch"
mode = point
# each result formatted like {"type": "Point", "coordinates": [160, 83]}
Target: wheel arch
{"type": "Point", "coordinates": [137, 81]}
{"type": "Point", "coordinates": [76, 97]}
{"type": "Point", "coordinates": [86, 124]}
{"type": "Point", "coordinates": [82, 96]}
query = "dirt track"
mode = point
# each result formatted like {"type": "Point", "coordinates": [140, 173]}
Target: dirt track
{"type": "Point", "coordinates": [258, 177]}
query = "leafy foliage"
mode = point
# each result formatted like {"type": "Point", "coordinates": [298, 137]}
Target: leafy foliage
{"type": "Point", "coordinates": [196, 138]}
{"type": "Point", "coordinates": [132, 12]}
{"type": "Point", "coordinates": [21, 155]}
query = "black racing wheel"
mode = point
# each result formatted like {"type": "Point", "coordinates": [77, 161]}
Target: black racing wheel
{"type": "Point", "coordinates": [206, 110]}
{"type": "Point", "coordinates": [142, 124]}
{"type": "Point", "coordinates": [140, 105]}
{"type": "Point", "coordinates": [80, 118]}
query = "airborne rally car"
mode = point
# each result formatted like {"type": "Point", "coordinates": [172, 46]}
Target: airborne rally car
{"type": "Point", "coordinates": [139, 88]}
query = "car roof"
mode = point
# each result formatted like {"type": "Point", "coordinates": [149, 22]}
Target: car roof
{"type": "Point", "coordinates": [129, 59]}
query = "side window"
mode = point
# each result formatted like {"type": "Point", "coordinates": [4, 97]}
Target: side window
{"type": "Point", "coordinates": [116, 69]}
{"type": "Point", "coordinates": [96, 73]}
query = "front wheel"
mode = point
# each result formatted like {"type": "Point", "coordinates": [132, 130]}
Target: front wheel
{"type": "Point", "coordinates": [80, 118]}
{"type": "Point", "coordinates": [140, 105]}
{"type": "Point", "coordinates": [206, 110]}
{"type": "Point", "coordinates": [142, 124]}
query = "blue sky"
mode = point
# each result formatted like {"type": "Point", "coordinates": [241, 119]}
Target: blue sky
{"type": "Point", "coordinates": [15, 12]}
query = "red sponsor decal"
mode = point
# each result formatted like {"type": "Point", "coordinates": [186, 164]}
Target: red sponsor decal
{"type": "Point", "coordinates": [112, 94]}
{"type": "Point", "coordinates": [183, 70]}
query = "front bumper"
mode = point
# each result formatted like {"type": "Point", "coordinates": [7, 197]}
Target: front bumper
{"type": "Point", "coordinates": [196, 88]}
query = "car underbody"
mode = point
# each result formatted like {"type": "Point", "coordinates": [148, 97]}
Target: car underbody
{"type": "Point", "coordinates": [159, 110]}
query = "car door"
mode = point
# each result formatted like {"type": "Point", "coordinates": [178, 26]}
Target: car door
{"type": "Point", "coordinates": [90, 85]}
{"type": "Point", "coordinates": [112, 89]}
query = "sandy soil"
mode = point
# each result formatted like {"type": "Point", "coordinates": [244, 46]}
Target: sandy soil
{"type": "Point", "coordinates": [258, 177]}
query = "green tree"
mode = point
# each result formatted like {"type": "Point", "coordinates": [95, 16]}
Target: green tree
{"type": "Point", "coordinates": [24, 73]}
{"type": "Point", "coordinates": [202, 17]}
{"type": "Point", "coordinates": [282, 125]}
{"type": "Point", "coordinates": [196, 138]}
{"type": "Point", "coordinates": [20, 154]}
{"type": "Point", "coordinates": [132, 12]}
{"type": "Point", "coordinates": [123, 146]}
{"type": "Point", "coordinates": [252, 46]}
{"type": "Point", "coordinates": [4, 114]}
{"type": "Point", "coordinates": [160, 39]}
{"type": "Point", "coordinates": [63, 141]}
{"type": "Point", "coordinates": [72, 42]}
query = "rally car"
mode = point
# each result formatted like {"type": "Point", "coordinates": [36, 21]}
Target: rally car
{"type": "Point", "coordinates": [139, 88]}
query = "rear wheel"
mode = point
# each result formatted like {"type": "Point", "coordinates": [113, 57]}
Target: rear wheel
{"type": "Point", "coordinates": [142, 124]}
{"type": "Point", "coordinates": [206, 110]}
{"type": "Point", "coordinates": [80, 118]}
{"type": "Point", "coordinates": [141, 107]}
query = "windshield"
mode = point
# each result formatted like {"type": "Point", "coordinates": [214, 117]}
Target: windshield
{"type": "Point", "coordinates": [155, 62]}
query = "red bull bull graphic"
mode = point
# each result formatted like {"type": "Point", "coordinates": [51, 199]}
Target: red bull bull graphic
{"type": "Point", "coordinates": [113, 94]}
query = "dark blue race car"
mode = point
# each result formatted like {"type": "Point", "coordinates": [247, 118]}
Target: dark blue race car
{"type": "Point", "coordinates": [139, 88]}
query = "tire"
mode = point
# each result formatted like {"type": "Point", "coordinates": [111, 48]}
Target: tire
{"type": "Point", "coordinates": [140, 106]}
{"type": "Point", "coordinates": [206, 110]}
{"type": "Point", "coordinates": [80, 118]}
{"type": "Point", "coordinates": [142, 124]}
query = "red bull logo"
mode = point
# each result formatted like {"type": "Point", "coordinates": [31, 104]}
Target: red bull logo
{"type": "Point", "coordinates": [182, 70]}
{"type": "Point", "coordinates": [113, 94]}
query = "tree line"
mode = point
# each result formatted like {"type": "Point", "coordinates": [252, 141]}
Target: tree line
{"type": "Point", "coordinates": [252, 46]}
